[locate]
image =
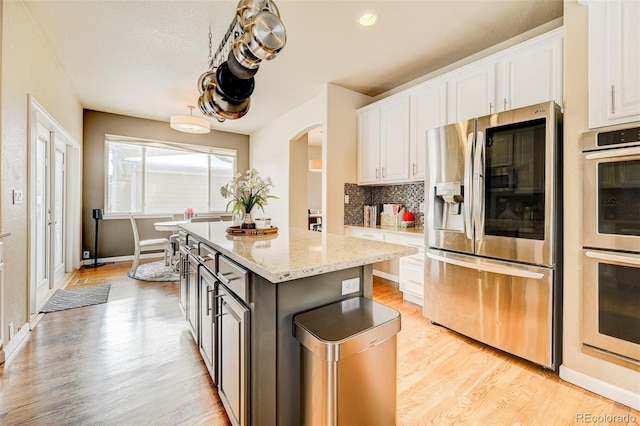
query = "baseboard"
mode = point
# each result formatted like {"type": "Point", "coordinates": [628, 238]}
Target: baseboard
{"type": "Point", "coordinates": [386, 275]}
{"type": "Point", "coordinates": [17, 341]}
{"type": "Point", "coordinates": [615, 393]}
{"type": "Point", "coordinates": [122, 258]}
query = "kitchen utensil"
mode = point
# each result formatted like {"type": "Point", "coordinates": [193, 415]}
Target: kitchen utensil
{"type": "Point", "coordinates": [205, 79]}
{"type": "Point", "coordinates": [214, 104]}
{"type": "Point", "coordinates": [264, 36]}
{"type": "Point", "coordinates": [247, 9]}
{"type": "Point", "coordinates": [238, 69]}
{"type": "Point", "coordinates": [231, 87]}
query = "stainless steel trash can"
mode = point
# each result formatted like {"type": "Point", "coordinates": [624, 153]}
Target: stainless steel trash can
{"type": "Point", "coordinates": [348, 363]}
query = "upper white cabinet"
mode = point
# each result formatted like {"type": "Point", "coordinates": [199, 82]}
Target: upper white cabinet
{"type": "Point", "coordinates": [392, 131]}
{"type": "Point", "coordinates": [614, 62]}
{"type": "Point", "coordinates": [383, 144]}
{"type": "Point", "coordinates": [428, 109]}
{"type": "Point", "coordinates": [472, 91]}
{"type": "Point", "coordinates": [531, 73]}
{"type": "Point", "coordinates": [369, 145]}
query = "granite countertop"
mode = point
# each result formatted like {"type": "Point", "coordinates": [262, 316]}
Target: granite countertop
{"type": "Point", "coordinates": [417, 230]}
{"type": "Point", "coordinates": [295, 253]}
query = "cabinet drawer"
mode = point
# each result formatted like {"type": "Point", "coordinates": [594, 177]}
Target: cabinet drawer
{"type": "Point", "coordinates": [367, 234]}
{"type": "Point", "coordinates": [411, 277]}
{"type": "Point", "coordinates": [234, 277]}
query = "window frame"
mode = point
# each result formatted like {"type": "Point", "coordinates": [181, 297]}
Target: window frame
{"type": "Point", "coordinates": [150, 143]}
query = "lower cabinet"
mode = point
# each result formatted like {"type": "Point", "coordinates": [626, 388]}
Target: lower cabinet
{"type": "Point", "coordinates": [233, 356]}
{"type": "Point", "coordinates": [411, 278]}
{"type": "Point", "coordinates": [208, 311]}
{"type": "Point", "coordinates": [184, 278]}
{"type": "Point", "coordinates": [192, 295]}
{"type": "Point", "coordinates": [410, 268]}
{"type": "Point", "coordinates": [213, 295]}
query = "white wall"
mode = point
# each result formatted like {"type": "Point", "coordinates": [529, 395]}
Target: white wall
{"type": "Point", "coordinates": [611, 377]}
{"type": "Point", "coordinates": [339, 150]}
{"type": "Point", "coordinates": [28, 67]}
{"type": "Point", "coordinates": [334, 109]}
{"type": "Point", "coordinates": [269, 153]}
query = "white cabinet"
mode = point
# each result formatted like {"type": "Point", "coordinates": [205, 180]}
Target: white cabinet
{"type": "Point", "coordinates": [383, 141]}
{"type": "Point", "coordinates": [614, 62]}
{"type": "Point", "coordinates": [411, 268]}
{"type": "Point", "coordinates": [392, 131]}
{"type": "Point", "coordinates": [428, 109]}
{"type": "Point", "coordinates": [523, 75]}
{"type": "Point", "coordinates": [531, 73]}
{"type": "Point", "coordinates": [472, 91]}
{"type": "Point", "coordinates": [369, 145]}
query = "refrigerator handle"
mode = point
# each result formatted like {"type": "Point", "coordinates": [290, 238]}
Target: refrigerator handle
{"type": "Point", "coordinates": [478, 191]}
{"type": "Point", "coordinates": [484, 267]}
{"type": "Point", "coordinates": [468, 187]}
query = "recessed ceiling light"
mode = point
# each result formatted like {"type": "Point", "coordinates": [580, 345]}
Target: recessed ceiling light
{"type": "Point", "coordinates": [367, 19]}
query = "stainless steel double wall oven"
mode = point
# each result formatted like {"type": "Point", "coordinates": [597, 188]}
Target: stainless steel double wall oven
{"type": "Point", "coordinates": [493, 195]}
{"type": "Point", "coordinates": [611, 240]}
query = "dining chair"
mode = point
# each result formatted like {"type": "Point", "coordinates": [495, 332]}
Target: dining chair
{"type": "Point", "coordinates": [153, 244]}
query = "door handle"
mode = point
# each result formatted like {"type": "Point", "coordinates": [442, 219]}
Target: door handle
{"type": "Point", "coordinates": [468, 187]}
{"type": "Point", "coordinates": [485, 267]}
{"type": "Point", "coordinates": [478, 178]}
{"type": "Point", "coordinates": [613, 258]}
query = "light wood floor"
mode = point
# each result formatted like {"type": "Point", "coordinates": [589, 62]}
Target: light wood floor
{"type": "Point", "coordinates": [132, 361]}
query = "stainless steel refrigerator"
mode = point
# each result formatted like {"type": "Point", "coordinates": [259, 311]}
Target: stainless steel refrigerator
{"type": "Point", "coordinates": [493, 203]}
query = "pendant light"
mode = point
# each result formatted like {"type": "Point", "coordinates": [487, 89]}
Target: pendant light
{"type": "Point", "coordinates": [189, 123]}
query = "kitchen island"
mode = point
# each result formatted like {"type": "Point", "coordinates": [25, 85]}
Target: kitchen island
{"type": "Point", "coordinates": [286, 273]}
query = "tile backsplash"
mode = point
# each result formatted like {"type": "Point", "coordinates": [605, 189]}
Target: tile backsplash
{"type": "Point", "coordinates": [409, 195]}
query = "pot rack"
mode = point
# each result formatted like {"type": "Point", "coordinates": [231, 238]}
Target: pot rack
{"type": "Point", "coordinates": [234, 31]}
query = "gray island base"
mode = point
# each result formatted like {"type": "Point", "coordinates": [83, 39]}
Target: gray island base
{"type": "Point", "coordinates": [290, 272]}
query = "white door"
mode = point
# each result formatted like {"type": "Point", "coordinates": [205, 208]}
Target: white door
{"type": "Point", "coordinates": [58, 211]}
{"type": "Point", "coordinates": [43, 264]}
{"type": "Point", "coordinates": [53, 205]}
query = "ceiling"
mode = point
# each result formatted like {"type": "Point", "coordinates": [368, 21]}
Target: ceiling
{"type": "Point", "coordinates": [143, 58]}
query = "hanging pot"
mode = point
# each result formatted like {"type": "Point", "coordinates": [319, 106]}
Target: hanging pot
{"type": "Point", "coordinates": [240, 70]}
{"type": "Point", "coordinates": [264, 36]}
{"type": "Point", "coordinates": [213, 104]}
{"type": "Point", "coordinates": [243, 55]}
{"type": "Point", "coordinates": [247, 9]}
{"type": "Point", "coordinates": [205, 80]}
{"type": "Point", "coordinates": [231, 87]}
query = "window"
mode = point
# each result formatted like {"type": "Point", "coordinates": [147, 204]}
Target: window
{"type": "Point", "coordinates": [149, 177]}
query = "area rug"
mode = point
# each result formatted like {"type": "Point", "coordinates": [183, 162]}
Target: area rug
{"type": "Point", "coordinates": [155, 271]}
{"type": "Point", "coordinates": [77, 298]}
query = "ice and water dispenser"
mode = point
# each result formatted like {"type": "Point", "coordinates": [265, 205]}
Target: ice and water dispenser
{"type": "Point", "coordinates": [448, 203]}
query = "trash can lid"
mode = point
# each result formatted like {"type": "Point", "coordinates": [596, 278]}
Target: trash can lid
{"type": "Point", "coordinates": [345, 319]}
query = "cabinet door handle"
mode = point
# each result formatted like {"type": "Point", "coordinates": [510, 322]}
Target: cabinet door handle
{"type": "Point", "coordinates": [490, 107]}
{"type": "Point", "coordinates": [413, 168]}
{"type": "Point", "coordinates": [505, 104]}
{"type": "Point", "coordinates": [414, 282]}
{"type": "Point", "coordinates": [613, 99]}
{"type": "Point", "coordinates": [208, 300]}
{"type": "Point", "coordinates": [377, 173]}
{"type": "Point", "coordinates": [384, 172]}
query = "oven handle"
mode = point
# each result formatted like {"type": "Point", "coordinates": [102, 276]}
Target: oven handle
{"type": "Point", "coordinates": [485, 267]}
{"type": "Point", "coordinates": [613, 258]}
{"type": "Point", "coordinates": [612, 153]}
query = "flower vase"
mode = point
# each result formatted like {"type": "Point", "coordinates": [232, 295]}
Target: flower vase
{"type": "Point", "coordinates": [247, 222]}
